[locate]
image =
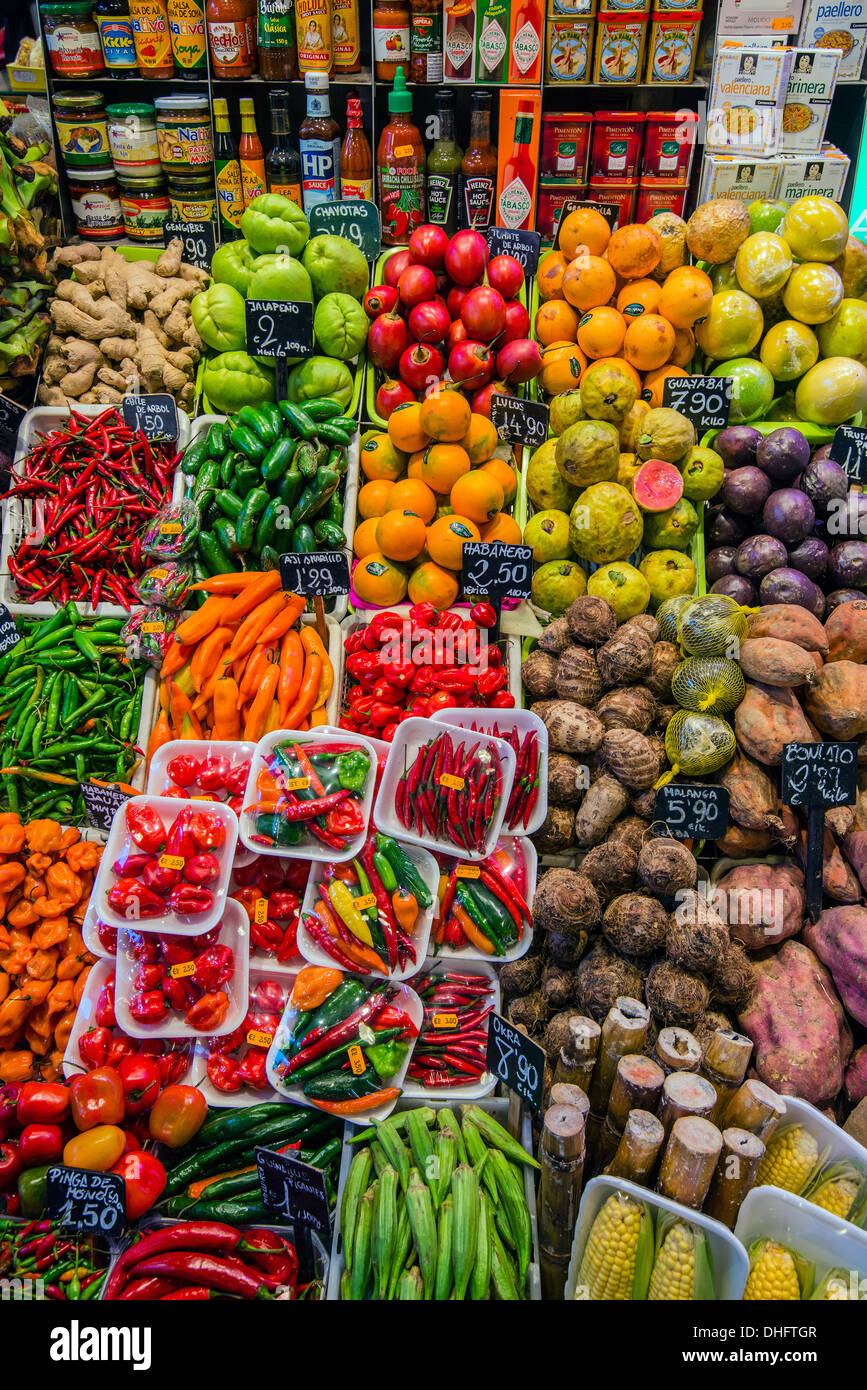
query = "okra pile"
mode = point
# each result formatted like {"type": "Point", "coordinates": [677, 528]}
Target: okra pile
{"type": "Point", "coordinates": [70, 708]}
{"type": "Point", "coordinates": [268, 482]}
{"type": "Point", "coordinates": [433, 1208]}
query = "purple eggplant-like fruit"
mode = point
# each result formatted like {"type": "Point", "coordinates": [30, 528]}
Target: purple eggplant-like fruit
{"type": "Point", "coordinates": [789, 515]}
{"type": "Point", "coordinates": [788, 585]}
{"type": "Point", "coordinates": [783, 454]}
{"type": "Point", "coordinates": [723, 527]}
{"type": "Point", "coordinates": [739, 588]}
{"type": "Point", "coordinates": [737, 445]}
{"type": "Point", "coordinates": [758, 555]}
{"type": "Point", "coordinates": [719, 562]}
{"type": "Point", "coordinates": [810, 557]}
{"type": "Point", "coordinates": [823, 480]}
{"type": "Point", "coordinates": [847, 564]}
{"type": "Point", "coordinates": [745, 490]}
{"type": "Point", "coordinates": [839, 596]}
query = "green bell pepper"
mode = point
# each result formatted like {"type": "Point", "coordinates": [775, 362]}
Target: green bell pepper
{"type": "Point", "coordinates": [352, 770]}
{"type": "Point", "coordinates": [386, 1058]}
{"type": "Point", "coordinates": [33, 1190]}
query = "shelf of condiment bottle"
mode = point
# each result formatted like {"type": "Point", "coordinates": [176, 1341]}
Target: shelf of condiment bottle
{"type": "Point", "coordinates": [343, 79]}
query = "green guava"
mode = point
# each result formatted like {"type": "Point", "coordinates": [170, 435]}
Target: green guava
{"type": "Point", "coordinates": [557, 584]}
{"type": "Point", "coordinates": [621, 585]}
{"type": "Point", "coordinates": [565, 410]}
{"type": "Point", "coordinates": [546, 487]}
{"type": "Point", "coordinates": [702, 471]}
{"type": "Point", "coordinates": [605, 524]}
{"type": "Point", "coordinates": [669, 573]}
{"type": "Point", "coordinates": [548, 533]}
{"type": "Point", "coordinates": [671, 530]}
{"type": "Point", "coordinates": [588, 452]}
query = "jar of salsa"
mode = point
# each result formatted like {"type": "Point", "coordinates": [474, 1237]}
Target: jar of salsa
{"type": "Point", "coordinates": [96, 203]}
{"type": "Point", "coordinates": [192, 198]}
{"type": "Point", "coordinates": [132, 137]}
{"type": "Point", "coordinates": [391, 47]}
{"type": "Point", "coordinates": [144, 204]}
{"type": "Point", "coordinates": [184, 132]}
{"type": "Point", "coordinates": [72, 38]}
{"type": "Point", "coordinates": [82, 129]}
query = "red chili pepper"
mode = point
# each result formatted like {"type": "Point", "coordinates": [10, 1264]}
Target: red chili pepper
{"type": "Point", "coordinates": [149, 1007]}
{"type": "Point", "coordinates": [214, 967]}
{"type": "Point", "coordinates": [202, 869]}
{"type": "Point", "coordinates": [145, 827]}
{"type": "Point", "coordinates": [223, 1072]}
{"type": "Point", "coordinates": [484, 615]}
{"type": "Point", "coordinates": [207, 831]}
{"type": "Point", "coordinates": [158, 879]}
{"type": "Point", "coordinates": [183, 769]}
{"type": "Point", "coordinates": [188, 900]}
{"type": "Point", "coordinates": [134, 900]}
{"type": "Point", "coordinates": [207, 1013]}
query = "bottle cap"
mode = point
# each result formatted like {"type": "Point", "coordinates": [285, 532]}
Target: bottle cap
{"type": "Point", "coordinates": [399, 98]}
{"type": "Point", "coordinates": [316, 81]}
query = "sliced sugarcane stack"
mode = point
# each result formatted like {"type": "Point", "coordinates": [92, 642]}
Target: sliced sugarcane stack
{"type": "Point", "coordinates": [637, 1086]}
{"type": "Point", "coordinates": [676, 1049]}
{"type": "Point", "coordinates": [639, 1148]}
{"type": "Point", "coordinates": [735, 1174]}
{"type": "Point", "coordinates": [754, 1106]}
{"type": "Point", "coordinates": [561, 1154]}
{"type": "Point", "coordinates": [689, 1160]}
{"type": "Point", "coordinates": [685, 1093]}
{"type": "Point", "coordinates": [578, 1054]}
{"type": "Point", "coordinates": [724, 1065]}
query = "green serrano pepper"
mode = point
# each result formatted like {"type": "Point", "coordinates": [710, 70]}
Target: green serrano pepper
{"type": "Point", "coordinates": [254, 505]}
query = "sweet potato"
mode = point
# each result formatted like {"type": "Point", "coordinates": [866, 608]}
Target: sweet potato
{"type": "Point", "coordinates": [855, 849]}
{"type": "Point", "coordinates": [837, 703]}
{"type": "Point", "coordinates": [856, 1075]}
{"type": "Point", "coordinates": [763, 904]}
{"type": "Point", "coordinates": [752, 794]}
{"type": "Point", "coordinates": [839, 939]}
{"type": "Point", "coordinates": [840, 884]}
{"type": "Point", "coordinates": [741, 844]}
{"type": "Point", "coordinates": [846, 628]}
{"type": "Point", "coordinates": [774, 662]}
{"type": "Point", "coordinates": [767, 718]}
{"type": "Point", "coordinates": [802, 1041]}
{"type": "Point", "coordinates": [787, 622]}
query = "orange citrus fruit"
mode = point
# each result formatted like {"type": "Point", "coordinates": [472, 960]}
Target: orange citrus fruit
{"type": "Point", "coordinates": [502, 528]}
{"type": "Point", "coordinates": [364, 540]}
{"type": "Point", "coordinates": [634, 250]}
{"type": "Point", "coordinates": [505, 475]}
{"type": "Point", "coordinates": [442, 465]}
{"type": "Point", "coordinates": [649, 342]}
{"type": "Point", "coordinates": [430, 583]}
{"type": "Point", "coordinates": [413, 468]}
{"type": "Point", "coordinates": [373, 498]}
{"type": "Point", "coordinates": [619, 362]}
{"type": "Point", "coordinates": [405, 428]}
{"type": "Point", "coordinates": [584, 227]}
{"type": "Point", "coordinates": [562, 365]}
{"type": "Point", "coordinates": [477, 495]}
{"type": "Point", "coordinates": [381, 458]}
{"type": "Point", "coordinates": [556, 322]}
{"type": "Point", "coordinates": [446, 538]}
{"type": "Point", "coordinates": [601, 332]}
{"type": "Point", "coordinates": [378, 580]}
{"type": "Point", "coordinates": [684, 347]}
{"type": "Point", "coordinates": [445, 415]}
{"type": "Point", "coordinates": [654, 381]}
{"type": "Point", "coordinates": [400, 535]}
{"type": "Point", "coordinates": [588, 282]}
{"type": "Point", "coordinates": [412, 495]}
{"type": "Point", "coordinates": [686, 296]}
{"type": "Point", "coordinates": [480, 440]}
{"type": "Point", "coordinates": [549, 275]}
{"type": "Point", "coordinates": [638, 297]}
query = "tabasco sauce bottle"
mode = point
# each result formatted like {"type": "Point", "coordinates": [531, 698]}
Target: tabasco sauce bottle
{"type": "Point", "coordinates": [515, 203]}
{"type": "Point", "coordinates": [492, 60]}
{"type": "Point", "coordinates": [525, 54]}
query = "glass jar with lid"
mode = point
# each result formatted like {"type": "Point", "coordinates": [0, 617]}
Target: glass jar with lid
{"type": "Point", "coordinates": [132, 137]}
{"type": "Point", "coordinates": [72, 39]}
{"type": "Point", "coordinates": [184, 132]}
{"type": "Point", "coordinates": [96, 203]}
{"type": "Point", "coordinates": [82, 129]}
{"type": "Point", "coordinates": [144, 203]}
{"type": "Point", "coordinates": [192, 197]}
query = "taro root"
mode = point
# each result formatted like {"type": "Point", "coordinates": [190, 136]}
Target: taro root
{"type": "Point", "coordinates": [631, 758]}
{"type": "Point", "coordinates": [635, 924]}
{"type": "Point", "coordinates": [565, 902]}
{"type": "Point", "coordinates": [556, 986]}
{"type": "Point", "coordinates": [591, 620]}
{"type": "Point", "coordinates": [664, 661]}
{"type": "Point", "coordinates": [601, 977]}
{"type": "Point", "coordinates": [521, 976]}
{"type": "Point", "coordinates": [643, 803]}
{"type": "Point", "coordinates": [733, 978]}
{"type": "Point", "coordinates": [530, 1010]}
{"type": "Point", "coordinates": [605, 801]}
{"type": "Point", "coordinates": [646, 622]}
{"type": "Point", "coordinates": [630, 708]}
{"type": "Point", "coordinates": [696, 945]}
{"type": "Point", "coordinates": [539, 674]}
{"type": "Point", "coordinates": [674, 997]}
{"type": "Point", "coordinates": [611, 868]}
{"type": "Point", "coordinates": [557, 830]}
{"type": "Point", "coordinates": [541, 707]}
{"type": "Point", "coordinates": [664, 716]}
{"type": "Point", "coordinates": [556, 637]}
{"type": "Point", "coordinates": [565, 950]}
{"type": "Point", "coordinates": [578, 677]}
{"type": "Point", "coordinates": [626, 658]}
{"type": "Point", "coordinates": [572, 729]}
{"type": "Point", "coordinates": [631, 831]}
{"type": "Point", "coordinates": [566, 783]}
{"type": "Point", "coordinates": [665, 866]}
{"type": "Point", "coordinates": [710, 1023]}
{"type": "Point", "coordinates": [556, 1033]}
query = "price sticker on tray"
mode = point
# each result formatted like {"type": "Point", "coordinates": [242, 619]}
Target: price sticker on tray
{"type": "Point", "coordinates": [182, 970]}
{"type": "Point", "coordinates": [454, 784]}
{"type": "Point", "coordinates": [255, 1038]}
{"type": "Point", "coordinates": [171, 861]}
{"type": "Point", "coordinates": [260, 911]}
{"type": "Point", "coordinates": [365, 901]}
{"type": "Point", "coordinates": [445, 1020]}
{"type": "Point", "coordinates": [468, 871]}
{"type": "Point", "coordinates": [356, 1060]}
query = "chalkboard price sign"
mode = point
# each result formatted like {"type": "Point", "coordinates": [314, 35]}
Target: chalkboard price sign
{"type": "Point", "coordinates": [294, 1189]}
{"type": "Point", "coordinates": [524, 246]}
{"type": "Point", "coordinates": [11, 415]}
{"type": "Point", "coordinates": [705, 400]}
{"type": "Point", "coordinates": [90, 1203]}
{"type": "Point", "coordinates": [497, 570]}
{"type": "Point", "coordinates": [517, 1061]}
{"type": "Point", "coordinates": [819, 774]}
{"type": "Point", "coordinates": [357, 221]}
{"type": "Point", "coordinates": [693, 811]}
{"type": "Point", "coordinates": [277, 328]}
{"type": "Point", "coordinates": [610, 211]}
{"type": "Point", "coordinates": [198, 238]}
{"type": "Point", "coordinates": [9, 634]}
{"type": "Point", "coordinates": [156, 416]}
{"type": "Point", "coordinates": [100, 804]}
{"type": "Point", "coordinates": [519, 422]}
{"type": "Point", "coordinates": [849, 449]}
{"type": "Point", "coordinates": [322, 574]}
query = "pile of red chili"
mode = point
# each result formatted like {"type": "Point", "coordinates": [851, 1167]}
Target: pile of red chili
{"type": "Point", "coordinates": [454, 1033]}
{"type": "Point", "coordinates": [450, 793]}
{"type": "Point", "coordinates": [194, 1260]}
{"type": "Point", "coordinates": [93, 485]}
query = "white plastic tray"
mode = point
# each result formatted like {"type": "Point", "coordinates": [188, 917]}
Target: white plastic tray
{"type": "Point", "coordinates": [17, 513]}
{"type": "Point", "coordinates": [730, 1263]}
{"type": "Point", "coordinates": [168, 807]}
{"type": "Point", "coordinates": [159, 782]}
{"type": "Point", "coordinates": [234, 932]}
{"type": "Point", "coordinates": [90, 935]}
{"type": "Point", "coordinates": [500, 1110]}
{"type": "Point", "coordinates": [833, 1141]}
{"type": "Point", "coordinates": [806, 1229]}
{"type": "Point", "coordinates": [239, 1100]}
{"type": "Point", "coordinates": [461, 954]}
{"type": "Point", "coordinates": [350, 498]}
{"type": "Point", "coordinates": [403, 998]}
{"type": "Point", "coordinates": [420, 935]}
{"type": "Point", "coordinates": [411, 736]}
{"type": "Point", "coordinates": [85, 1021]}
{"type": "Point", "coordinates": [313, 849]}
{"type": "Point", "coordinates": [259, 959]}
{"type": "Point", "coordinates": [476, 1090]}
{"type": "Point", "coordinates": [508, 719]}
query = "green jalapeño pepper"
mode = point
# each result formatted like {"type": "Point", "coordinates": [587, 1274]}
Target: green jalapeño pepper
{"type": "Point", "coordinates": [244, 439]}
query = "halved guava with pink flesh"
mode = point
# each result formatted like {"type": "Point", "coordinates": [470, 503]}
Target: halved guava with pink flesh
{"type": "Point", "coordinates": [657, 486]}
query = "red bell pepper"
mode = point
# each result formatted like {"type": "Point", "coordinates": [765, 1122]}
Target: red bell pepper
{"type": "Point", "coordinates": [207, 1013]}
{"type": "Point", "coordinates": [42, 1102]}
{"type": "Point", "coordinates": [176, 949]}
{"type": "Point", "coordinates": [148, 977]}
{"type": "Point", "coordinates": [158, 878]}
{"type": "Point", "coordinates": [283, 905]}
{"type": "Point", "coordinates": [188, 900]}
{"type": "Point", "coordinates": [144, 1179]}
{"type": "Point", "coordinates": [10, 1164]}
{"type": "Point", "coordinates": [202, 869]}
{"type": "Point", "coordinates": [40, 1143]}
{"type": "Point", "coordinates": [140, 1077]}
{"type": "Point", "coordinates": [214, 967]}
{"type": "Point", "coordinates": [104, 1011]}
{"type": "Point", "coordinates": [107, 937]}
{"type": "Point", "coordinates": [149, 1007]}
{"type": "Point", "coordinates": [207, 831]}
{"type": "Point", "coordinates": [214, 773]}
{"type": "Point", "coordinates": [99, 1048]}
{"type": "Point", "coordinates": [96, 1098]}
{"type": "Point", "coordinates": [267, 935]}
{"type": "Point", "coordinates": [183, 770]}
{"type": "Point", "coordinates": [252, 1072]}
{"type": "Point", "coordinates": [179, 843]}
{"type": "Point", "coordinates": [8, 1106]}
{"type": "Point", "coordinates": [172, 1058]}
{"type": "Point", "coordinates": [134, 900]}
{"type": "Point", "coordinates": [145, 827]}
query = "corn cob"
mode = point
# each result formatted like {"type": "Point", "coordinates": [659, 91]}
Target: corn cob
{"type": "Point", "coordinates": [790, 1158]}
{"type": "Point", "coordinates": [384, 1228]}
{"type": "Point", "coordinates": [447, 1120]}
{"type": "Point", "coordinates": [515, 1206]}
{"type": "Point", "coordinates": [445, 1159]}
{"type": "Point", "coordinates": [394, 1147]}
{"type": "Point", "coordinates": [480, 1279]}
{"type": "Point", "coordinates": [411, 1287]}
{"type": "Point", "coordinates": [402, 1248]}
{"type": "Point", "coordinates": [496, 1136]}
{"type": "Point", "coordinates": [835, 1188]}
{"type": "Point", "coordinates": [465, 1230]}
{"type": "Point", "coordinates": [360, 1275]}
{"type": "Point", "coordinates": [617, 1258]}
{"type": "Point", "coordinates": [443, 1285]}
{"type": "Point", "coordinates": [424, 1231]}
{"type": "Point", "coordinates": [422, 1151]}
{"type": "Point", "coordinates": [502, 1272]}
{"type": "Point", "coordinates": [682, 1267]}
{"type": "Point", "coordinates": [838, 1286]}
{"type": "Point", "coordinates": [356, 1182]}
{"type": "Point", "coordinates": [776, 1273]}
